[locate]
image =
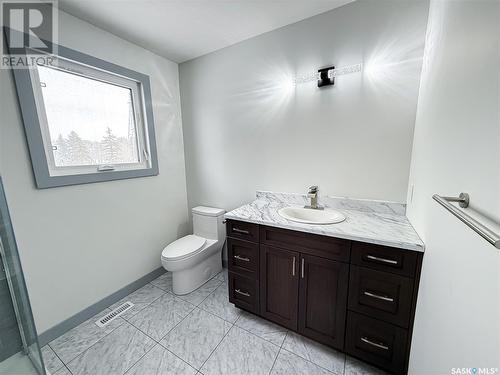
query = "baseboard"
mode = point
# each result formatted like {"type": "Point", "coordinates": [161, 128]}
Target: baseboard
{"type": "Point", "coordinates": [77, 319]}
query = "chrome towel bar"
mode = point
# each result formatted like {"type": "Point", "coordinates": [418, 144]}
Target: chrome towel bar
{"type": "Point", "coordinates": [463, 201]}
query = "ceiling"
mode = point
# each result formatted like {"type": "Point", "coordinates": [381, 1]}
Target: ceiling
{"type": "Point", "coordinates": [181, 30]}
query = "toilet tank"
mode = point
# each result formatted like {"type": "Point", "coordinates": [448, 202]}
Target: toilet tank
{"type": "Point", "coordinates": [208, 222]}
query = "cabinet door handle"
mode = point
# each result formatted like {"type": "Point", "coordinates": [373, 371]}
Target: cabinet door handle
{"type": "Point", "coordinates": [375, 344]}
{"type": "Point", "coordinates": [302, 268]}
{"type": "Point", "coordinates": [378, 296]}
{"type": "Point", "coordinates": [242, 231]}
{"type": "Point", "coordinates": [242, 293]}
{"type": "Point", "coordinates": [383, 260]}
{"type": "Point", "coordinates": [239, 257]}
{"type": "Point", "coordinates": [293, 267]}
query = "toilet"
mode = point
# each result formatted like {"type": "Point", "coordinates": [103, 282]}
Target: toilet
{"type": "Point", "coordinates": [197, 257]}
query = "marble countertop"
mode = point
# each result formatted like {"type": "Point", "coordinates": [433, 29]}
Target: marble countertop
{"type": "Point", "coordinates": [377, 222]}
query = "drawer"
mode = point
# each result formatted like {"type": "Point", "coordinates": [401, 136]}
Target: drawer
{"type": "Point", "coordinates": [243, 257]}
{"type": "Point", "coordinates": [384, 258]}
{"type": "Point", "coordinates": [243, 230]}
{"type": "Point", "coordinates": [380, 295]}
{"type": "Point", "coordinates": [244, 292]}
{"type": "Point", "coordinates": [376, 342]}
{"type": "Point", "coordinates": [312, 244]}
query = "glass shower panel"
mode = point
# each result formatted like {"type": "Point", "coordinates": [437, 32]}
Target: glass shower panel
{"type": "Point", "coordinates": [19, 349]}
{"type": "Point", "coordinates": [10, 337]}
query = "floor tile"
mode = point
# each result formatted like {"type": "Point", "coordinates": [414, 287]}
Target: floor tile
{"type": "Point", "coordinates": [222, 276]}
{"type": "Point", "coordinates": [202, 292]}
{"type": "Point", "coordinates": [241, 353]}
{"type": "Point", "coordinates": [114, 354]}
{"type": "Point", "coordinates": [321, 355]}
{"type": "Point", "coordinates": [355, 367]}
{"type": "Point", "coordinates": [291, 364]}
{"type": "Point", "coordinates": [140, 298]}
{"type": "Point", "coordinates": [196, 337]}
{"type": "Point", "coordinates": [76, 341]}
{"type": "Point", "coordinates": [262, 328]}
{"type": "Point", "coordinates": [157, 319]}
{"type": "Point", "coordinates": [50, 359]}
{"type": "Point", "coordinates": [164, 282]}
{"type": "Point", "coordinates": [63, 371]}
{"type": "Point", "coordinates": [218, 303]}
{"type": "Point", "coordinates": [159, 361]}
{"type": "Point", "coordinates": [17, 364]}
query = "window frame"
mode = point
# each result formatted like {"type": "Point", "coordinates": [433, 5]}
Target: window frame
{"type": "Point", "coordinates": [84, 71]}
{"type": "Point", "coordinates": [47, 174]}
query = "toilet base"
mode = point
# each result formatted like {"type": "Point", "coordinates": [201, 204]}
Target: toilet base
{"type": "Point", "coordinates": [187, 280]}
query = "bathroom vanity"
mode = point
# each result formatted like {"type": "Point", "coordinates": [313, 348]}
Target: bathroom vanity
{"type": "Point", "coordinates": [353, 292]}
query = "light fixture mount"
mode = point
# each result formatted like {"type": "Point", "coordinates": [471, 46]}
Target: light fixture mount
{"type": "Point", "coordinates": [325, 76]}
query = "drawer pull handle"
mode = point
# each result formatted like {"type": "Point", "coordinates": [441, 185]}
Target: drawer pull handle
{"type": "Point", "coordinates": [302, 268]}
{"type": "Point", "coordinates": [239, 257]}
{"type": "Point", "coordinates": [293, 267]}
{"type": "Point", "coordinates": [375, 344]}
{"type": "Point", "coordinates": [378, 296]}
{"type": "Point", "coordinates": [242, 293]}
{"type": "Point", "coordinates": [383, 260]}
{"type": "Point", "coordinates": [242, 231]}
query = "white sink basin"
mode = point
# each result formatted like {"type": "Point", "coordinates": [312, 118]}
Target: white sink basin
{"type": "Point", "coordinates": [311, 216]}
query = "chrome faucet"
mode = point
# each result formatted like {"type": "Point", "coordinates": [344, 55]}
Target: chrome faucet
{"type": "Point", "coordinates": [313, 195]}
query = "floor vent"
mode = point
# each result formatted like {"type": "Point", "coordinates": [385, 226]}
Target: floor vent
{"type": "Point", "coordinates": [108, 318]}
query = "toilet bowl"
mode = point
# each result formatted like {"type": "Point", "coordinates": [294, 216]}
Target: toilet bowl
{"type": "Point", "coordinates": [196, 258]}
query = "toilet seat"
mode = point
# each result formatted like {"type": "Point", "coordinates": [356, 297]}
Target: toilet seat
{"type": "Point", "coordinates": [184, 247]}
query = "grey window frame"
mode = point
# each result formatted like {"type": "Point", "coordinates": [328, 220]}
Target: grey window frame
{"type": "Point", "coordinates": [33, 124]}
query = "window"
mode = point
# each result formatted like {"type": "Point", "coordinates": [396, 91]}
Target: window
{"type": "Point", "coordinates": [87, 121]}
{"type": "Point", "coordinates": [90, 120]}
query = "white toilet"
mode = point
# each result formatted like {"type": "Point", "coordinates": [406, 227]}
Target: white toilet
{"type": "Point", "coordinates": [195, 258]}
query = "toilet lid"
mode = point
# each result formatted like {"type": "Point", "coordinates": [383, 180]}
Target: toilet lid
{"type": "Point", "coordinates": [183, 247]}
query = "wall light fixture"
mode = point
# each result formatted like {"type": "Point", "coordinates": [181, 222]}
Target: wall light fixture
{"type": "Point", "coordinates": [325, 76]}
{"type": "Point", "coordinates": [331, 73]}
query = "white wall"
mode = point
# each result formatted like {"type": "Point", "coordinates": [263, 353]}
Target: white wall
{"type": "Point", "coordinates": [79, 244]}
{"type": "Point", "coordinates": [457, 148]}
{"type": "Point", "coordinates": [244, 129]}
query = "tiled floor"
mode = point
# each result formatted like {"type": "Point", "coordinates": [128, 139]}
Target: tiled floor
{"type": "Point", "coordinates": [199, 333]}
{"type": "Point", "coordinates": [18, 364]}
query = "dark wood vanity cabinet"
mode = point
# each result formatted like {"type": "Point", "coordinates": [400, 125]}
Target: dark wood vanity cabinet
{"type": "Point", "coordinates": [355, 297]}
{"type": "Point", "coordinates": [323, 300]}
{"type": "Point", "coordinates": [279, 286]}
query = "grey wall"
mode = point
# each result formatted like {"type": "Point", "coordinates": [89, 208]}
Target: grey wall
{"type": "Point", "coordinates": [457, 148]}
{"type": "Point", "coordinates": [245, 128]}
{"type": "Point", "coordinates": [81, 243]}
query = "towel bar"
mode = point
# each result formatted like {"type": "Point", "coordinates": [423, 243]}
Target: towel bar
{"type": "Point", "coordinates": [463, 200]}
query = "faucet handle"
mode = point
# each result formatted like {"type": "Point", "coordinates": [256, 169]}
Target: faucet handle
{"type": "Point", "coordinates": [313, 189]}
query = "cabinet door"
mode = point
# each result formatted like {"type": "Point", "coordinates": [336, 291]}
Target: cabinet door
{"type": "Point", "coordinates": [323, 300]}
{"type": "Point", "coordinates": [377, 342]}
{"type": "Point", "coordinates": [381, 295]}
{"type": "Point", "coordinates": [279, 285]}
{"type": "Point", "coordinates": [244, 292]}
{"type": "Point", "coordinates": [243, 257]}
